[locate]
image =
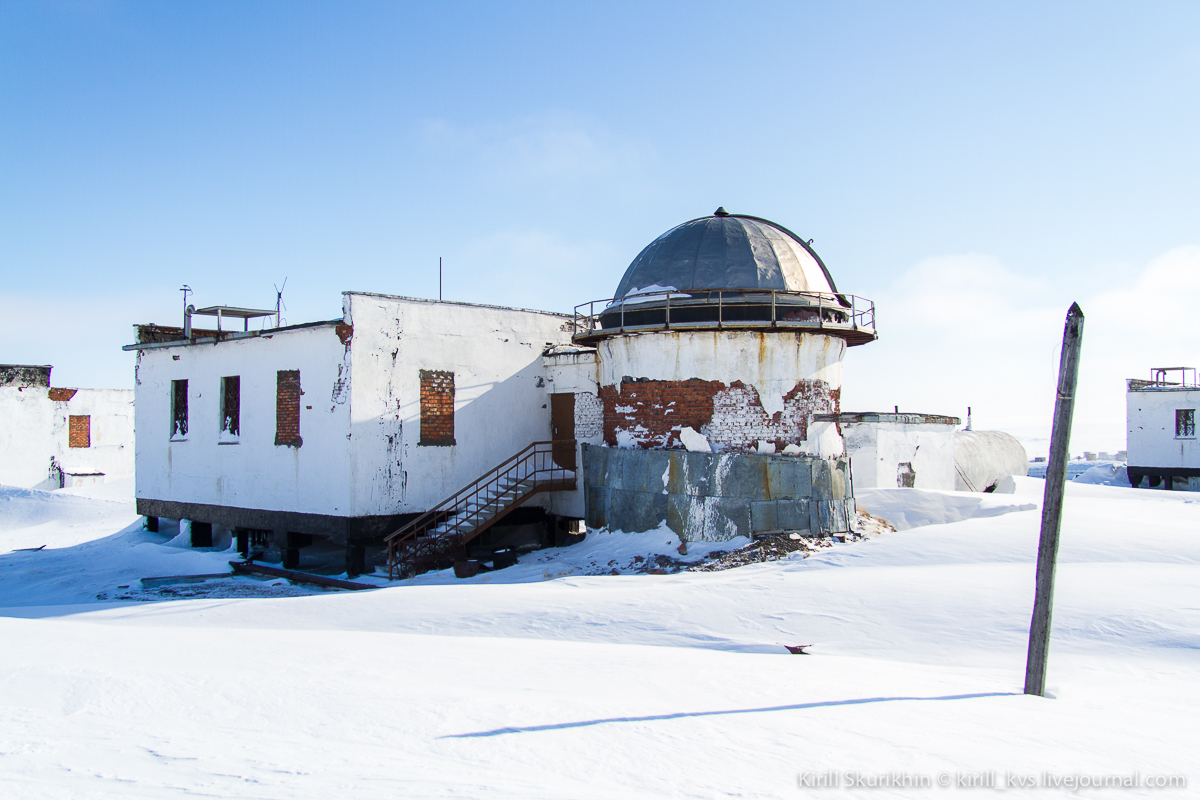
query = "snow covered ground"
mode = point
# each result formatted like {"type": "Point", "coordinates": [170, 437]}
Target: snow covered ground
{"type": "Point", "coordinates": [547, 680]}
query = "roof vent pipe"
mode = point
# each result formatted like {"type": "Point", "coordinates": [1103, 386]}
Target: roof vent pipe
{"type": "Point", "coordinates": [187, 321]}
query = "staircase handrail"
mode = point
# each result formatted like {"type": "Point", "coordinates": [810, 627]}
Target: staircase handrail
{"type": "Point", "coordinates": [431, 517]}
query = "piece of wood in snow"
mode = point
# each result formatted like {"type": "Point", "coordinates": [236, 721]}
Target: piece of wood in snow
{"type": "Point", "coordinates": [29, 549]}
{"type": "Point", "coordinates": [302, 577]}
{"type": "Point", "coordinates": [167, 580]}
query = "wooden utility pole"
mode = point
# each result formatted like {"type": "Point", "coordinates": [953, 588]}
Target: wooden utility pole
{"type": "Point", "coordinates": [1056, 479]}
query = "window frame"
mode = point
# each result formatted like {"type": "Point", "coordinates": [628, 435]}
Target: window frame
{"type": "Point", "coordinates": [71, 430]}
{"type": "Point", "coordinates": [1185, 423]}
{"type": "Point", "coordinates": [179, 423]}
{"type": "Point", "coordinates": [230, 430]}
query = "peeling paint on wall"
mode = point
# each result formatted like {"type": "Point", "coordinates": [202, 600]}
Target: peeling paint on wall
{"type": "Point", "coordinates": [650, 414]}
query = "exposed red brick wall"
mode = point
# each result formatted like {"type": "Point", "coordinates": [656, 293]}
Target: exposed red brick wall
{"type": "Point", "coordinates": [167, 333]}
{"type": "Point", "coordinates": [62, 395]}
{"type": "Point", "coordinates": [654, 411]}
{"type": "Point", "coordinates": [437, 408]}
{"type": "Point", "coordinates": [344, 333]}
{"type": "Point", "coordinates": [79, 431]}
{"type": "Point", "coordinates": [287, 408]}
{"type": "Point", "coordinates": [731, 416]}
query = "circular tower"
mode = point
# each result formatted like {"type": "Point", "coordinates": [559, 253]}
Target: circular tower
{"type": "Point", "coordinates": [726, 334]}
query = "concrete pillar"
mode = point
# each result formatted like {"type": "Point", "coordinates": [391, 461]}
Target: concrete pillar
{"type": "Point", "coordinates": [202, 534]}
{"type": "Point", "coordinates": [291, 550]}
{"type": "Point", "coordinates": [356, 556]}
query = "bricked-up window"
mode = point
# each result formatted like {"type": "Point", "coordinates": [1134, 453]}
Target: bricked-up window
{"type": "Point", "coordinates": [79, 431]}
{"type": "Point", "coordinates": [179, 414]}
{"type": "Point", "coordinates": [1185, 423]}
{"type": "Point", "coordinates": [231, 408]}
{"type": "Point", "coordinates": [437, 408]}
{"type": "Point", "coordinates": [287, 408]}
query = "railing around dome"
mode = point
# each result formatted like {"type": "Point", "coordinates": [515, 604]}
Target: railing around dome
{"type": "Point", "coordinates": [845, 315]}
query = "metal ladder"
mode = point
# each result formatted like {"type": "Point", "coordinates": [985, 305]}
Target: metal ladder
{"type": "Point", "coordinates": [437, 537]}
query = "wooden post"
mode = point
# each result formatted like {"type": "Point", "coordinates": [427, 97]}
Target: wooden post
{"type": "Point", "coordinates": [1056, 479]}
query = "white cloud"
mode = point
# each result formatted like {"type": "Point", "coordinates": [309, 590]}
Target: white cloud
{"type": "Point", "coordinates": [80, 337]}
{"type": "Point", "coordinates": [542, 149]}
{"type": "Point", "coordinates": [958, 331]}
{"type": "Point", "coordinates": [534, 268]}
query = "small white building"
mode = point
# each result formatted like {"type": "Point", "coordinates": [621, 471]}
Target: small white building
{"type": "Point", "coordinates": [1161, 429]}
{"type": "Point", "coordinates": [54, 437]}
{"type": "Point", "coordinates": [343, 429]}
{"type": "Point", "coordinates": [898, 450]}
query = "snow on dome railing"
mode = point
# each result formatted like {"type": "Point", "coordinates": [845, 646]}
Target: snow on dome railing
{"type": "Point", "coordinates": [844, 315]}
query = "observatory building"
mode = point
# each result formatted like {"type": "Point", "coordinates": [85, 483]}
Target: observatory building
{"type": "Point", "coordinates": [724, 340]}
{"type": "Point", "coordinates": [704, 395]}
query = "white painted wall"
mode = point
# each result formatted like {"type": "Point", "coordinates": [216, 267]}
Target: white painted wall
{"type": "Point", "coordinates": [576, 372]}
{"type": "Point", "coordinates": [495, 355]}
{"type": "Point", "coordinates": [33, 430]}
{"type": "Point", "coordinates": [1151, 440]}
{"type": "Point", "coordinates": [876, 450]}
{"type": "Point", "coordinates": [772, 362]}
{"type": "Point", "coordinates": [254, 472]}
{"type": "Point", "coordinates": [360, 411]}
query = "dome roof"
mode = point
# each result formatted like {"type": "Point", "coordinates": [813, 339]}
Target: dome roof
{"type": "Point", "coordinates": [727, 251]}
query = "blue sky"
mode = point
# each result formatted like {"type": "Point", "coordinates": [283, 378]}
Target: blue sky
{"type": "Point", "coordinates": [1013, 157]}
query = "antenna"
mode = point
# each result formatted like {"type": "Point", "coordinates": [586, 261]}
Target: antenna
{"type": "Point", "coordinates": [279, 300]}
{"type": "Point", "coordinates": [186, 291]}
{"type": "Point", "coordinates": [439, 279]}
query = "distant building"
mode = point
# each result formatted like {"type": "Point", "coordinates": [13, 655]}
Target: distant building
{"type": "Point", "coordinates": [1161, 429]}
{"type": "Point", "coordinates": [53, 437]}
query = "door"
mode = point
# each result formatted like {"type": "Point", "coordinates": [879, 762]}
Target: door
{"type": "Point", "coordinates": [562, 429]}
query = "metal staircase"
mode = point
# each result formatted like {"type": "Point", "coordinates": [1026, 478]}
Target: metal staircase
{"type": "Point", "coordinates": [434, 539]}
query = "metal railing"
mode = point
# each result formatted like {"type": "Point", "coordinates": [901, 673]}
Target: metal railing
{"type": "Point", "coordinates": [437, 534]}
{"type": "Point", "coordinates": [845, 315]}
{"type": "Point", "coordinates": [1158, 376]}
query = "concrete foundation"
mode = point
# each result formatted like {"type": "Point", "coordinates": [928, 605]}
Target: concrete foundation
{"type": "Point", "coordinates": [716, 496]}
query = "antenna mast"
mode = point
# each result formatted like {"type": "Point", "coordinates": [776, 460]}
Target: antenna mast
{"type": "Point", "coordinates": [439, 279]}
{"type": "Point", "coordinates": [186, 291]}
{"type": "Point", "coordinates": [279, 300]}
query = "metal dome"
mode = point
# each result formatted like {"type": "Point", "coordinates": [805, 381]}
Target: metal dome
{"type": "Point", "coordinates": [727, 251]}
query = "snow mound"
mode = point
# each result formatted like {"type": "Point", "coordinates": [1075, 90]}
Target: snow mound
{"type": "Point", "coordinates": [915, 508]}
{"type": "Point", "coordinates": [33, 517]}
{"type": "Point", "coordinates": [1106, 475]}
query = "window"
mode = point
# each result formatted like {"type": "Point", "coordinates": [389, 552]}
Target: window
{"type": "Point", "coordinates": [231, 409]}
{"type": "Point", "coordinates": [287, 408]}
{"type": "Point", "coordinates": [179, 414]}
{"type": "Point", "coordinates": [1185, 423]}
{"type": "Point", "coordinates": [437, 408]}
{"type": "Point", "coordinates": [79, 431]}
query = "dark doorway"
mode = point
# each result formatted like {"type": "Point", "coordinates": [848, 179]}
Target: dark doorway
{"type": "Point", "coordinates": [562, 429]}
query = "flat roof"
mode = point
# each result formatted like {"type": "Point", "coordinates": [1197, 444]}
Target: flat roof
{"type": "Point", "coordinates": [460, 303]}
{"type": "Point", "coordinates": [231, 335]}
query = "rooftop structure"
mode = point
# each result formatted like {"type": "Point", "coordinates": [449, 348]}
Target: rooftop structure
{"type": "Point", "coordinates": [727, 271]}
